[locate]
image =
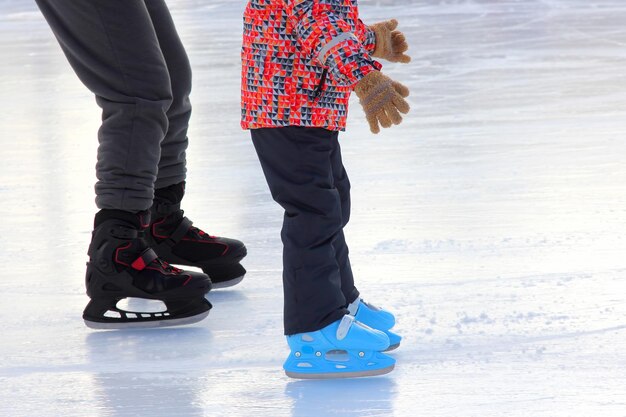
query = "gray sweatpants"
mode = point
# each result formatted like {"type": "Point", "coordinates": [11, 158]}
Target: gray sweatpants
{"type": "Point", "coordinates": [127, 52]}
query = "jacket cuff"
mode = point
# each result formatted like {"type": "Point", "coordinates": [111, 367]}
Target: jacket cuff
{"type": "Point", "coordinates": [370, 40]}
{"type": "Point", "coordinates": [348, 61]}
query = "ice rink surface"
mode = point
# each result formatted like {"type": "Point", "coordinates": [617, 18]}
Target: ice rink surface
{"type": "Point", "coordinates": [492, 221]}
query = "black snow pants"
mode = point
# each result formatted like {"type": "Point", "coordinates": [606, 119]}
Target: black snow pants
{"type": "Point", "coordinates": [127, 52]}
{"type": "Point", "coordinates": [306, 176]}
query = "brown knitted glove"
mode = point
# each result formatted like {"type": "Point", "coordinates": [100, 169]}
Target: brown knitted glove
{"type": "Point", "coordinates": [382, 100]}
{"type": "Point", "coordinates": [390, 43]}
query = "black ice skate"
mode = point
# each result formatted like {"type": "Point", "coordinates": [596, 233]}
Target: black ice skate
{"type": "Point", "coordinates": [178, 242]}
{"type": "Point", "coordinates": [122, 265]}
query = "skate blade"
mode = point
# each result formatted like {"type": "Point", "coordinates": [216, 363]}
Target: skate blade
{"type": "Point", "coordinates": [226, 284]}
{"type": "Point", "coordinates": [146, 324]}
{"type": "Point", "coordinates": [339, 375]}
{"type": "Point", "coordinates": [392, 347]}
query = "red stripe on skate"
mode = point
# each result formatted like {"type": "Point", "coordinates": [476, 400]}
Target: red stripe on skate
{"type": "Point", "coordinates": [142, 219]}
{"type": "Point", "coordinates": [117, 254]}
{"type": "Point", "coordinates": [187, 281]}
{"type": "Point", "coordinates": [154, 229]}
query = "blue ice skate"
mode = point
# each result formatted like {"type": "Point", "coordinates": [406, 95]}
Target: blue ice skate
{"type": "Point", "coordinates": [376, 318]}
{"type": "Point", "coordinates": [343, 349]}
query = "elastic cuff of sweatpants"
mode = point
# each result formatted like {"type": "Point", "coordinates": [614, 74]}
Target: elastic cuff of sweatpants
{"type": "Point", "coordinates": [132, 204]}
{"type": "Point", "coordinates": [164, 182]}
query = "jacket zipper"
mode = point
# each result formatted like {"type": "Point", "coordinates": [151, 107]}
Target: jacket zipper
{"type": "Point", "coordinates": [320, 86]}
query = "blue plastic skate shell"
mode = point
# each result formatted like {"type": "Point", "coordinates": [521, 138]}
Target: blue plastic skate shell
{"type": "Point", "coordinates": [373, 316]}
{"type": "Point", "coordinates": [343, 349]}
{"type": "Point", "coordinates": [379, 319]}
{"type": "Point", "coordinates": [394, 340]}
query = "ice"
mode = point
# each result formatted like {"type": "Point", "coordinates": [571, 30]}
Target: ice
{"type": "Point", "coordinates": [491, 221]}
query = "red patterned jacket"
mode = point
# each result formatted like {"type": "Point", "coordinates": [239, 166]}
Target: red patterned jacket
{"type": "Point", "coordinates": [300, 61]}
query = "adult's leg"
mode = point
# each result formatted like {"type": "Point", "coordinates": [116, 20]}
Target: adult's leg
{"type": "Point", "coordinates": [171, 235]}
{"type": "Point", "coordinates": [342, 184]}
{"type": "Point", "coordinates": [172, 166]}
{"type": "Point", "coordinates": [296, 163]}
{"type": "Point", "coordinates": [114, 50]}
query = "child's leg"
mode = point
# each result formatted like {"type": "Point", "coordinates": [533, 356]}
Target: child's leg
{"type": "Point", "coordinates": [296, 162]}
{"type": "Point", "coordinates": [342, 184]}
{"type": "Point", "coordinates": [372, 316]}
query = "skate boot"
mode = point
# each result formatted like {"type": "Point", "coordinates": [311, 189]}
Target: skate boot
{"type": "Point", "coordinates": [343, 349]}
{"type": "Point", "coordinates": [177, 241]}
{"type": "Point", "coordinates": [376, 318]}
{"type": "Point", "coordinates": [122, 265]}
